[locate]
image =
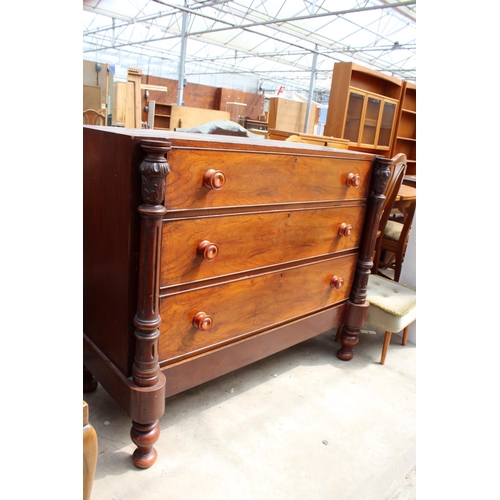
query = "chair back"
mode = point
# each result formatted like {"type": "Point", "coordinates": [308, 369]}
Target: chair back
{"type": "Point", "coordinates": [395, 240]}
{"type": "Point", "coordinates": [93, 117]}
{"type": "Point", "coordinates": [398, 170]}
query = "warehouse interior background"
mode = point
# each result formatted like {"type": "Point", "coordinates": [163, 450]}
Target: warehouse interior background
{"type": "Point", "coordinates": [263, 45]}
{"type": "Point", "coordinates": [457, 411]}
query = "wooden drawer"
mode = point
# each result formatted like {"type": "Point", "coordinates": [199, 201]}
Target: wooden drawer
{"type": "Point", "coordinates": [279, 178]}
{"type": "Point", "coordinates": [250, 241]}
{"type": "Point", "coordinates": [244, 306]}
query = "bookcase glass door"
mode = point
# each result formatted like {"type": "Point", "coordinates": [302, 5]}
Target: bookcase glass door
{"type": "Point", "coordinates": [388, 116]}
{"type": "Point", "coordinates": [373, 106]}
{"type": "Point", "coordinates": [353, 119]}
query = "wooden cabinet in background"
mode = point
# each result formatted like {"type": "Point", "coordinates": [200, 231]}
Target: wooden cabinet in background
{"type": "Point", "coordinates": [287, 114]}
{"type": "Point", "coordinates": [126, 110]}
{"type": "Point", "coordinates": [406, 136]}
{"type": "Point", "coordinates": [363, 108]}
{"type": "Point", "coordinates": [123, 112]}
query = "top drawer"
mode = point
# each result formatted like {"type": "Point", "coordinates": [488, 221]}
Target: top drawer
{"type": "Point", "coordinates": [211, 179]}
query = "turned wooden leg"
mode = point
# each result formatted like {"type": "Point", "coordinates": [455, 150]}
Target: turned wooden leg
{"type": "Point", "coordinates": [405, 335]}
{"type": "Point", "coordinates": [89, 453]}
{"type": "Point", "coordinates": [146, 368]}
{"type": "Point", "coordinates": [89, 381]}
{"type": "Point", "coordinates": [357, 306]}
{"type": "Point", "coordinates": [387, 341]}
{"type": "Point", "coordinates": [349, 338]}
{"type": "Point", "coordinates": [144, 437]}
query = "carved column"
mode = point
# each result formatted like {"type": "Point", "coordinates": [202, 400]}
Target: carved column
{"type": "Point", "coordinates": [357, 307]}
{"type": "Point", "coordinates": [146, 368]}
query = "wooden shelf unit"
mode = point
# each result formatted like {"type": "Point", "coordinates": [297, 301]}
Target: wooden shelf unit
{"type": "Point", "coordinates": [363, 108]}
{"type": "Point", "coordinates": [163, 114]}
{"type": "Point", "coordinates": [406, 135]}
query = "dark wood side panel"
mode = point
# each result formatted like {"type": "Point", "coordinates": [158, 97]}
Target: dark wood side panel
{"type": "Point", "coordinates": [195, 371]}
{"type": "Point", "coordinates": [111, 196]}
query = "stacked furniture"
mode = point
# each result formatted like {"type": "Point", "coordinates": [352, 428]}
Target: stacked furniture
{"type": "Point", "coordinates": [205, 253]}
{"type": "Point", "coordinates": [319, 140]}
{"type": "Point", "coordinates": [288, 114]}
{"type": "Point", "coordinates": [374, 111]}
{"type": "Point", "coordinates": [171, 116]}
{"type": "Point", "coordinates": [405, 140]}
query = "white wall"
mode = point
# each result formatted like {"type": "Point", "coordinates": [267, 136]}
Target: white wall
{"type": "Point", "coordinates": [409, 270]}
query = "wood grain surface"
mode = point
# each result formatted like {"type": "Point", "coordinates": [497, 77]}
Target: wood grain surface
{"type": "Point", "coordinates": [244, 306]}
{"type": "Point", "coordinates": [251, 241]}
{"type": "Point", "coordinates": [258, 178]}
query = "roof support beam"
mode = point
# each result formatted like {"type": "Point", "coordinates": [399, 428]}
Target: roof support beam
{"type": "Point", "coordinates": [311, 90]}
{"type": "Point", "coordinates": [289, 19]}
{"type": "Point", "coordinates": [182, 58]}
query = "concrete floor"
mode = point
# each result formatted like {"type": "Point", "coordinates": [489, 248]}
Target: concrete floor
{"type": "Point", "coordinates": [299, 425]}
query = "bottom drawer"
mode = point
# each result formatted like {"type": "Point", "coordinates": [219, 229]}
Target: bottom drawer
{"type": "Point", "coordinates": [238, 308]}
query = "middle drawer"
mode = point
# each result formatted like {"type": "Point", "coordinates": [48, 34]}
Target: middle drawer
{"type": "Point", "coordinates": [209, 247]}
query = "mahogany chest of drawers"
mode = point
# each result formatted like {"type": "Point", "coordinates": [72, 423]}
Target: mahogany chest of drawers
{"type": "Point", "coordinates": [205, 253]}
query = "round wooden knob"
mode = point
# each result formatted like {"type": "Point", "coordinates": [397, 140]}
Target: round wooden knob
{"type": "Point", "coordinates": [203, 321]}
{"type": "Point", "coordinates": [214, 179]}
{"type": "Point", "coordinates": [345, 229]}
{"type": "Point", "coordinates": [337, 282]}
{"type": "Point", "coordinates": [353, 180]}
{"type": "Point", "coordinates": [208, 250]}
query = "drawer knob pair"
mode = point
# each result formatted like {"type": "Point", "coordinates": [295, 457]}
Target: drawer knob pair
{"type": "Point", "coordinates": [208, 250]}
{"type": "Point", "coordinates": [203, 321]}
{"type": "Point", "coordinates": [214, 179]}
{"type": "Point", "coordinates": [337, 282]}
{"type": "Point", "coordinates": [353, 180]}
{"type": "Point", "coordinates": [345, 229]}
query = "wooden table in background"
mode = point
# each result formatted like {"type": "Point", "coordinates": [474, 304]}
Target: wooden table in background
{"type": "Point", "coordinates": [406, 196]}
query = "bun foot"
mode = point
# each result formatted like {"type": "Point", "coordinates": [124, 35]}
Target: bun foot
{"type": "Point", "coordinates": [144, 437]}
{"type": "Point", "coordinates": [349, 338]}
{"type": "Point", "coordinates": [344, 356]}
{"type": "Point", "coordinates": [144, 461]}
{"type": "Point", "coordinates": [89, 381]}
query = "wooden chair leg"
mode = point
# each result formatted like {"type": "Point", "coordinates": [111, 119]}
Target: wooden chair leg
{"type": "Point", "coordinates": [89, 453]}
{"type": "Point", "coordinates": [397, 269]}
{"type": "Point", "coordinates": [405, 335]}
{"type": "Point", "coordinates": [339, 332]}
{"type": "Point", "coordinates": [387, 341]}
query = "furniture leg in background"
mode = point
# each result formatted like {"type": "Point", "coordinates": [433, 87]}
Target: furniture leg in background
{"type": "Point", "coordinates": [393, 307]}
{"type": "Point", "coordinates": [89, 453]}
{"type": "Point", "coordinates": [89, 381]}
